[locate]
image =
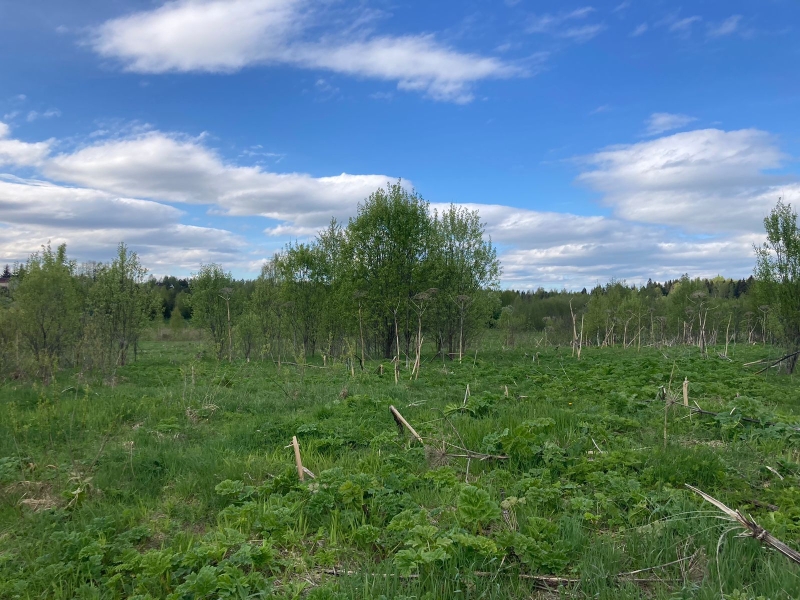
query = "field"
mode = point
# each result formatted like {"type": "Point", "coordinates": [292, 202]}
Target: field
{"type": "Point", "coordinates": [552, 478]}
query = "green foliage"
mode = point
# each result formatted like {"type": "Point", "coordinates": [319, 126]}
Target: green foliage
{"type": "Point", "coordinates": [120, 306]}
{"type": "Point", "coordinates": [212, 296]}
{"type": "Point", "coordinates": [178, 482]}
{"type": "Point", "coordinates": [49, 306]}
{"type": "Point", "coordinates": [476, 509]}
{"type": "Point", "coordinates": [778, 272]}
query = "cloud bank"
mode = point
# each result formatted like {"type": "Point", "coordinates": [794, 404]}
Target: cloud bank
{"type": "Point", "coordinates": [687, 202]}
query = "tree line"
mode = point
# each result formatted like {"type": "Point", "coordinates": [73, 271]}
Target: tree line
{"type": "Point", "coordinates": [399, 275]}
{"type": "Point", "coordinates": [397, 278]}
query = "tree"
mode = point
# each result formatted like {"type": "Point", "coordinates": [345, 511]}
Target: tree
{"type": "Point", "coordinates": [464, 262]}
{"type": "Point", "coordinates": [120, 304]}
{"type": "Point", "coordinates": [50, 307]}
{"type": "Point", "coordinates": [210, 309]}
{"type": "Point", "coordinates": [777, 274]}
{"type": "Point", "coordinates": [388, 242]}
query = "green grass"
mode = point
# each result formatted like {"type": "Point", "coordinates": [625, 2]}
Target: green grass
{"type": "Point", "coordinates": [172, 478]}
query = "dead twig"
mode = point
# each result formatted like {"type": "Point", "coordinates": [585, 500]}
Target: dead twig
{"type": "Point", "coordinates": [751, 528]}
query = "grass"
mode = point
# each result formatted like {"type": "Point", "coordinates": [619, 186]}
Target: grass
{"type": "Point", "coordinates": [172, 478]}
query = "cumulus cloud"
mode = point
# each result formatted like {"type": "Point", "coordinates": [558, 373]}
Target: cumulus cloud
{"type": "Point", "coordinates": [704, 181]}
{"type": "Point", "coordinates": [659, 123]}
{"type": "Point", "coordinates": [35, 202]}
{"type": "Point", "coordinates": [157, 165]}
{"type": "Point", "coordinates": [18, 153]}
{"type": "Point", "coordinates": [164, 249]}
{"type": "Point", "coordinates": [225, 36]}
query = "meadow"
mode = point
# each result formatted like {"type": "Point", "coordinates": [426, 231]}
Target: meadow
{"type": "Point", "coordinates": [538, 475]}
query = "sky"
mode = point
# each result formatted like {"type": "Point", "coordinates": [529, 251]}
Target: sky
{"type": "Point", "coordinates": [620, 140]}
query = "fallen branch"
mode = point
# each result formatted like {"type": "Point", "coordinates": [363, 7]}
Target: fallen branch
{"type": "Point", "coordinates": [756, 362]}
{"type": "Point", "coordinates": [752, 529]}
{"type": "Point", "coordinates": [401, 422]}
{"type": "Point", "coordinates": [777, 362]}
{"type": "Point", "coordinates": [699, 411]}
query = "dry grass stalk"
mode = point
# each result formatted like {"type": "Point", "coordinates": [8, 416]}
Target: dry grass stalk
{"type": "Point", "coordinates": [546, 582]}
{"type": "Point", "coordinates": [752, 529]}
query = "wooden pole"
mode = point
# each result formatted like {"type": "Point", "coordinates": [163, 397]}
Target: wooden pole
{"type": "Point", "coordinates": [298, 461]}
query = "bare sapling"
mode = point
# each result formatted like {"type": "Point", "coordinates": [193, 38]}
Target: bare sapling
{"type": "Point", "coordinates": [574, 329]}
{"type": "Point", "coordinates": [463, 302]}
{"type": "Point", "coordinates": [727, 334]}
{"type": "Point", "coordinates": [226, 295]}
{"type": "Point", "coordinates": [359, 295]}
{"type": "Point", "coordinates": [420, 302]}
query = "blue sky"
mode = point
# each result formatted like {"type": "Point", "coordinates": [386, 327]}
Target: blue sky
{"type": "Point", "coordinates": [609, 139]}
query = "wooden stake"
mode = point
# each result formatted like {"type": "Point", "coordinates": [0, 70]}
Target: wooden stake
{"type": "Point", "coordinates": [297, 459]}
{"type": "Point", "coordinates": [686, 391]}
{"type": "Point", "coordinates": [401, 421]}
{"type": "Point", "coordinates": [727, 330]}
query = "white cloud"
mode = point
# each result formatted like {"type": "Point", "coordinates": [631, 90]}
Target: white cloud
{"type": "Point", "coordinates": [640, 30]}
{"type": "Point", "coordinates": [48, 114]}
{"type": "Point", "coordinates": [226, 36]}
{"type": "Point", "coordinates": [659, 123]}
{"type": "Point", "coordinates": [684, 26]}
{"type": "Point", "coordinates": [191, 35]}
{"type": "Point", "coordinates": [583, 33]}
{"type": "Point", "coordinates": [163, 249]}
{"type": "Point", "coordinates": [19, 153]}
{"type": "Point", "coordinates": [705, 181]}
{"type": "Point", "coordinates": [547, 23]}
{"type": "Point", "coordinates": [417, 63]}
{"type": "Point", "coordinates": [42, 203]}
{"type": "Point", "coordinates": [689, 202]}
{"type": "Point", "coordinates": [178, 169]}
{"type": "Point", "coordinates": [557, 25]}
{"type": "Point", "coordinates": [557, 250]}
{"type": "Point", "coordinates": [727, 27]}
